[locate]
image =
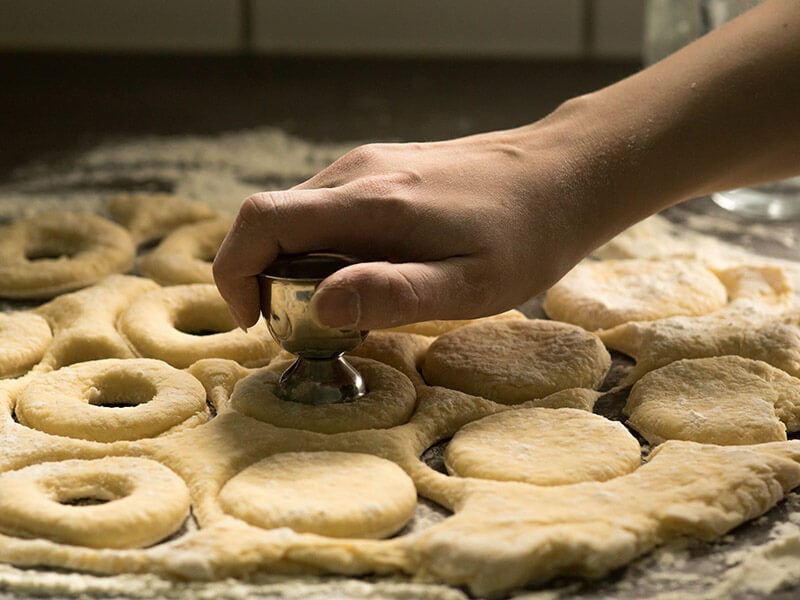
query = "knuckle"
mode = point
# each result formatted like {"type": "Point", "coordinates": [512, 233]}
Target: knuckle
{"type": "Point", "coordinates": [367, 155]}
{"type": "Point", "coordinates": [254, 207]}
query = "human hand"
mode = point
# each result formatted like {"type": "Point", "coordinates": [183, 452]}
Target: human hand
{"type": "Point", "coordinates": [455, 229]}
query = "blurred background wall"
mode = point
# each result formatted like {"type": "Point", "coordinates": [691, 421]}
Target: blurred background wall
{"type": "Point", "coordinates": [528, 29]}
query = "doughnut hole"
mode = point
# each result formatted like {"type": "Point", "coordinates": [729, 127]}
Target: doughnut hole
{"type": "Point", "coordinates": [191, 321]}
{"type": "Point", "coordinates": [84, 489]}
{"type": "Point", "coordinates": [45, 253]}
{"type": "Point", "coordinates": [119, 389]}
{"type": "Point", "coordinates": [43, 247]}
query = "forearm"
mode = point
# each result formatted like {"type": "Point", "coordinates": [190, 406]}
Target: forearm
{"type": "Point", "coordinates": [720, 113]}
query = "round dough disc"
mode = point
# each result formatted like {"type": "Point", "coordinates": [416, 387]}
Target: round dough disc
{"type": "Point", "coordinates": [543, 446]}
{"type": "Point", "coordinates": [389, 401]}
{"type": "Point", "coordinates": [604, 294]}
{"type": "Point", "coordinates": [336, 494]}
{"type": "Point", "coordinates": [513, 361]}
{"type": "Point", "coordinates": [723, 400]}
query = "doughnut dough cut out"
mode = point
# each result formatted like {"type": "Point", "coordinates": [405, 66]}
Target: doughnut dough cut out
{"type": "Point", "coordinates": [24, 338]}
{"type": "Point", "coordinates": [604, 294]}
{"type": "Point", "coordinates": [57, 252]}
{"type": "Point", "coordinates": [756, 324]}
{"type": "Point", "coordinates": [185, 323]}
{"type": "Point", "coordinates": [335, 494]}
{"type": "Point", "coordinates": [84, 322]}
{"type": "Point", "coordinates": [543, 446]}
{"type": "Point", "coordinates": [389, 401]}
{"type": "Point", "coordinates": [725, 400]}
{"type": "Point", "coordinates": [185, 255]}
{"type": "Point", "coordinates": [110, 400]}
{"type": "Point", "coordinates": [516, 360]}
{"type": "Point", "coordinates": [149, 217]}
{"type": "Point", "coordinates": [132, 502]}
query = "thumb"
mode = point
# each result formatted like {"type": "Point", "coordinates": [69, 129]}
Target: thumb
{"type": "Point", "coordinates": [377, 295]}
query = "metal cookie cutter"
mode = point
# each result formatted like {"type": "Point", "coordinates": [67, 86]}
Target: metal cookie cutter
{"type": "Point", "coordinates": [320, 375]}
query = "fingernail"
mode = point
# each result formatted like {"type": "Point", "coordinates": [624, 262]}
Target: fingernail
{"type": "Point", "coordinates": [238, 319]}
{"type": "Point", "coordinates": [336, 307]}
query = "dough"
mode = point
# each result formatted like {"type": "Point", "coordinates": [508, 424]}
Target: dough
{"type": "Point", "coordinates": [604, 294]}
{"type": "Point", "coordinates": [84, 322]}
{"type": "Point", "coordinates": [437, 328]}
{"type": "Point", "coordinates": [24, 337]}
{"type": "Point", "coordinates": [389, 401]}
{"type": "Point", "coordinates": [578, 398]}
{"type": "Point", "coordinates": [110, 400]}
{"type": "Point", "coordinates": [57, 252]}
{"type": "Point", "coordinates": [185, 323]}
{"type": "Point", "coordinates": [530, 445]}
{"type": "Point", "coordinates": [151, 216]}
{"type": "Point", "coordinates": [516, 533]}
{"type": "Point", "coordinates": [186, 254]}
{"type": "Point", "coordinates": [129, 502]}
{"type": "Point", "coordinates": [756, 323]}
{"type": "Point", "coordinates": [723, 400]}
{"type": "Point", "coordinates": [336, 494]}
{"type": "Point", "coordinates": [514, 361]}
{"type": "Point", "coordinates": [403, 351]}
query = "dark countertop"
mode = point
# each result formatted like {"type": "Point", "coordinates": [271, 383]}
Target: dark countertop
{"type": "Point", "coordinates": [52, 104]}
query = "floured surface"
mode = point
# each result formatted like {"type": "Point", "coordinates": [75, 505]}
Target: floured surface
{"type": "Point", "coordinates": [199, 168]}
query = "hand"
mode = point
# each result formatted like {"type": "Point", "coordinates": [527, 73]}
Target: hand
{"type": "Point", "coordinates": [455, 229]}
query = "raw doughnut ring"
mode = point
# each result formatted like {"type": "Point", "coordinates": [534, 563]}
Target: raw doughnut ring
{"type": "Point", "coordinates": [337, 494]}
{"type": "Point", "coordinates": [151, 216]}
{"type": "Point", "coordinates": [52, 253]}
{"type": "Point", "coordinates": [24, 338]}
{"type": "Point", "coordinates": [185, 255]}
{"type": "Point", "coordinates": [185, 323]}
{"type": "Point", "coordinates": [148, 396]}
{"type": "Point", "coordinates": [389, 401]}
{"type": "Point", "coordinates": [112, 502]}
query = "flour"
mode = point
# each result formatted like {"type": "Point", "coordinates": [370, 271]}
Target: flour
{"type": "Point", "coordinates": [52, 584]}
{"type": "Point", "coordinates": [218, 170]}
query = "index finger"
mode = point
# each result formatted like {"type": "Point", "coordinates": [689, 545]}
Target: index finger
{"type": "Point", "coordinates": [269, 224]}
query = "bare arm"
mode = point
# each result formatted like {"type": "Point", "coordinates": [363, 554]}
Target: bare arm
{"type": "Point", "coordinates": [472, 226]}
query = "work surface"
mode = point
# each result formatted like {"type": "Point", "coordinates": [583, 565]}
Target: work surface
{"type": "Point", "coordinates": [89, 101]}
